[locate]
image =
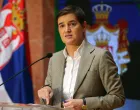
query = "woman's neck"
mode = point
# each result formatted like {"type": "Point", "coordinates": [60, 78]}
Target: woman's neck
{"type": "Point", "coordinates": [71, 49]}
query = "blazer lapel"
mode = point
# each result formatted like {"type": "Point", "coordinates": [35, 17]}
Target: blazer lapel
{"type": "Point", "coordinates": [85, 63]}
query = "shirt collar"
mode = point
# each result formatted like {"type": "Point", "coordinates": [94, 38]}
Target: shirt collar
{"type": "Point", "coordinates": [77, 53]}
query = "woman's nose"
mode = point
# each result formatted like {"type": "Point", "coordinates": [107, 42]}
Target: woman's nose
{"type": "Point", "coordinates": [67, 29]}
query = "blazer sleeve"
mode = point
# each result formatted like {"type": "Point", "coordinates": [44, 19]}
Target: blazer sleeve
{"type": "Point", "coordinates": [48, 80]}
{"type": "Point", "coordinates": [112, 84]}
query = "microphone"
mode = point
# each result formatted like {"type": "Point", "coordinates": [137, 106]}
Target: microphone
{"type": "Point", "coordinates": [49, 55]}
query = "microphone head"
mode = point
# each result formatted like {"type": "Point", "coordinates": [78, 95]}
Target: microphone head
{"type": "Point", "coordinates": [49, 55]}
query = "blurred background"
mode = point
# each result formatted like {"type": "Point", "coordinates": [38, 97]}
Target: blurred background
{"type": "Point", "coordinates": [28, 31]}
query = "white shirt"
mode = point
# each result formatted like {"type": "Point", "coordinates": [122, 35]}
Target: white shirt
{"type": "Point", "coordinates": [71, 70]}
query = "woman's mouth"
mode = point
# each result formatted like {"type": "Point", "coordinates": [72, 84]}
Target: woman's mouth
{"type": "Point", "coordinates": [68, 36]}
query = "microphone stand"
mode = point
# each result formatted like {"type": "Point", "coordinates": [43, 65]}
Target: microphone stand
{"type": "Point", "coordinates": [47, 56]}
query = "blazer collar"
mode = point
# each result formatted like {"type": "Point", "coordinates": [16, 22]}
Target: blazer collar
{"type": "Point", "coordinates": [85, 63]}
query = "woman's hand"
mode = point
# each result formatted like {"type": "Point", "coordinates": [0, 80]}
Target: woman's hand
{"type": "Point", "coordinates": [74, 104]}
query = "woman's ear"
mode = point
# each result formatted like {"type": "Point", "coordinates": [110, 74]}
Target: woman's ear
{"type": "Point", "coordinates": [84, 28]}
{"type": "Point", "coordinates": [84, 25]}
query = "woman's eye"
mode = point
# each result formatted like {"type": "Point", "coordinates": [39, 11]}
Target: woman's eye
{"type": "Point", "coordinates": [61, 26]}
{"type": "Point", "coordinates": [73, 24]}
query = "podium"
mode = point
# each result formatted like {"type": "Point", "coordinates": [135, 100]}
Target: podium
{"type": "Point", "coordinates": [17, 106]}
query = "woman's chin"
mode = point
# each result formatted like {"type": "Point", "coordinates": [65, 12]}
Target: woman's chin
{"type": "Point", "coordinates": [69, 42]}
